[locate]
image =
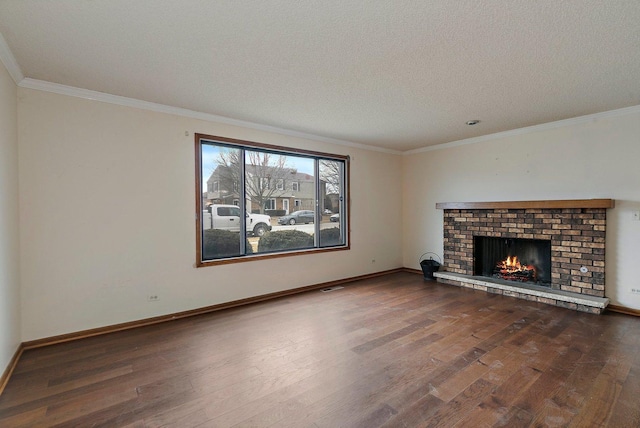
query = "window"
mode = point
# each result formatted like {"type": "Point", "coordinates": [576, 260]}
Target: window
{"type": "Point", "coordinates": [228, 211]}
{"type": "Point", "coordinates": [250, 178]}
{"type": "Point", "coordinates": [270, 204]}
{"type": "Point", "coordinates": [265, 183]}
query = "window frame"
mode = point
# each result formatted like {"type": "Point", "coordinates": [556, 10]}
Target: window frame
{"type": "Point", "coordinates": [201, 139]}
{"type": "Point", "coordinates": [272, 203]}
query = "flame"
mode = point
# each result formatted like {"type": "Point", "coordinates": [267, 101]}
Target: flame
{"type": "Point", "coordinates": [513, 263]}
{"type": "Point", "coordinates": [511, 267]}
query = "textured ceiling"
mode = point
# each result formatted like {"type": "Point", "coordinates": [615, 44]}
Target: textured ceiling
{"type": "Point", "coordinates": [394, 74]}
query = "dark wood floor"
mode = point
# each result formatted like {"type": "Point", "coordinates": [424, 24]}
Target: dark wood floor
{"type": "Point", "coordinates": [394, 351]}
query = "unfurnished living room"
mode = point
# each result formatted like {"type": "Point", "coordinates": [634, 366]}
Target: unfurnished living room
{"type": "Point", "coordinates": [319, 214]}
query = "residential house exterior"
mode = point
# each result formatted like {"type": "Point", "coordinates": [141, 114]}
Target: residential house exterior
{"type": "Point", "coordinates": [276, 191]}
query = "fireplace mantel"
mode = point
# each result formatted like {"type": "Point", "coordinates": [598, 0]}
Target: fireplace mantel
{"type": "Point", "coordinates": [551, 204]}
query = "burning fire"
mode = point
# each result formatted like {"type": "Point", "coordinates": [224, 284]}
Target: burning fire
{"type": "Point", "coordinates": [511, 263]}
{"type": "Point", "coordinates": [511, 269]}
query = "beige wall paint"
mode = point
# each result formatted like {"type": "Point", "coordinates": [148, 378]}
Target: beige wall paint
{"type": "Point", "coordinates": [107, 217]}
{"type": "Point", "coordinates": [106, 205]}
{"type": "Point", "coordinates": [597, 159]}
{"type": "Point", "coordinates": [9, 244]}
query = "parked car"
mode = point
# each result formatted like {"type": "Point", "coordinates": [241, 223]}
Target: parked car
{"type": "Point", "coordinates": [327, 211]}
{"type": "Point", "coordinates": [302, 216]}
{"type": "Point", "coordinates": [335, 218]}
{"type": "Point", "coordinates": [227, 217]}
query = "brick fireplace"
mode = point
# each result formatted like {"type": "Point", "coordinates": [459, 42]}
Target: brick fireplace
{"type": "Point", "coordinates": [576, 230]}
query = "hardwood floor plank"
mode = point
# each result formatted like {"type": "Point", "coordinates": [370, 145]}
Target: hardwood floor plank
{"type": "Point", "coordinates": [515, 418]}
{"type": "Point", "coordinates": [269, 417]}
{"type": "Point", "coordinates": [602, 396]}
{"type": "Point", "coordinates": [570, 395]}
{"type": "Point", "coordinates": [554, 416]}
{"type": "Point", "coordinates": [626, 407]}
{"type": "Point", "coordinates": [296, 397]}
{"type": "Point", "coordinates": [496, 407]}
{"type": "Point", "coordinates": [459, 381]}
{"type": "Point", "coordinates": [461, 405]}
{"type": "Point", "coordinates": [381, 340]}
{"type": "Point", "coordinates": [395, 359]}
{"type": "Point", "coordinates": [551, 380]}
{"type": "Point", "coordinates": [79, 406]}
{"type": "Point", "coordinates": [28, 418]}
{"type": "Point", "coordinates": [417, 414]}
{"type": "Point", "coordinates": [388, 351]}
{"type": "Point", "coordinates": [57, 390]}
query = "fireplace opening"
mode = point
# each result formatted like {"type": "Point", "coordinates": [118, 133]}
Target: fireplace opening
{"type": "Point", "coordinates": [513, 259]}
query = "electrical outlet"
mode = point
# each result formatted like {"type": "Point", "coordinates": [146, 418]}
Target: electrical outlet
{"type": "Point", "coordinates": [153, 298]}
{"type": "Point", "coordinates": [636, 216]}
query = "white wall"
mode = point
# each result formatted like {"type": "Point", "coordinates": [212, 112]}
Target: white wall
{"type": "Point", "coordinates": [595, 159]}
{"type": "Point", "coordinates": [90, 173]}
{"type": "Point", "coordinates": [9, 271]}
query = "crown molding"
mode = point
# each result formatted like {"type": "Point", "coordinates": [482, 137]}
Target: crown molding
{"type": "Point", "coordinates": [41, 85]}
{"type": "Point", "coordinates": [87, 94]}
{"type": "Point", "coordinates": [9, 61]}
{"type": "Point", "coordinates": [530, 129]}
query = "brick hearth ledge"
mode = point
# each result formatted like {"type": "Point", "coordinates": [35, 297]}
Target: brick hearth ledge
{"type": "Point", "coordinates": [530, 292]}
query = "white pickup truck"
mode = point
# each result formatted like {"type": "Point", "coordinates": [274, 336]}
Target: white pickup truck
{"type": "Point", "coordinates": [227, 217]}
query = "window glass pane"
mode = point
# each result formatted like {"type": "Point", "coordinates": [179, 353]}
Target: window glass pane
{"type": "Point", "coordinates": [291, 230]}
{"type": "Point", "coordinates": [221, 226]}
{"type": "Point", "coordinates": [331, 203]}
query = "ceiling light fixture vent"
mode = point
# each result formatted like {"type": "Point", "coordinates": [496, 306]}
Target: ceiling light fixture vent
{"type": "Point", "coordinates": [473, 122]}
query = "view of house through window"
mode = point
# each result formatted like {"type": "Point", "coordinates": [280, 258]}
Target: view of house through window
{"type": "Point", "coordinates": [291, 200]}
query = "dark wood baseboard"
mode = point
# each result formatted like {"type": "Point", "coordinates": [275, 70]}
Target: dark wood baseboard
{"type": "Point", "coordinates": [410, 270]}
{"type": "Point", "coordinates": [4, 379]}
{"type": "Point", "coordinates": [178, 315]}
{"type": "Point", "coordinates": [623, 310]}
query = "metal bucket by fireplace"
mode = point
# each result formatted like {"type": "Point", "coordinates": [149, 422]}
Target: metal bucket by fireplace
{"type": "Point", "coordinates": [429, 266]}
